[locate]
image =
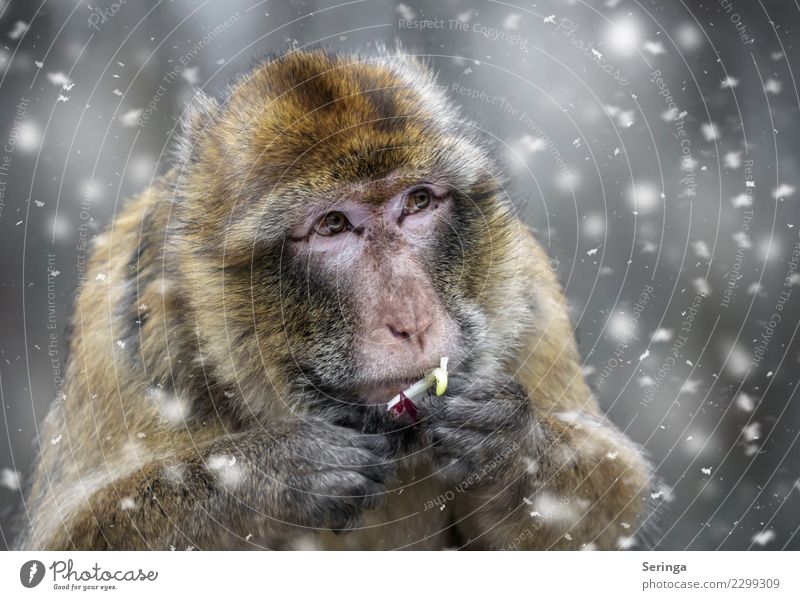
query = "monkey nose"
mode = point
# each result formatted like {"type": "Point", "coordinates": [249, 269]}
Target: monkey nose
{"type": "Point", "coordinates": [398, 333]}
{"type": "Point", "coordinates": [406, 333]}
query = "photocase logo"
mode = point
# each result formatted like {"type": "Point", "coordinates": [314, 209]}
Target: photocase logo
{"type": "Point", "coordinates": [31, 573]}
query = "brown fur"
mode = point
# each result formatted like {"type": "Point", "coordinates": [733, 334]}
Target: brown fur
{"type": "Point", "coordinates": [178, 302]}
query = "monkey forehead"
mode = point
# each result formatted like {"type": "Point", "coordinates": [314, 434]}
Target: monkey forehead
{"type": "Point", "coordinates": [337, 91]}
{"type": "Point", "coordinates": [345, 118]}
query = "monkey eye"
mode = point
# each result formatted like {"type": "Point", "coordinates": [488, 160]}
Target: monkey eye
{"type": "Point", "coordinates": [332, 223]}
{"type": "Point", "coordinates": [417, 200]}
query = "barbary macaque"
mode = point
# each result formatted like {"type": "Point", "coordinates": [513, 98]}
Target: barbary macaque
{"type": "Point", "coordinates": [327, 232]}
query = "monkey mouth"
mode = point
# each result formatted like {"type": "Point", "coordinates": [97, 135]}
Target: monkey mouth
{"type": "Point", "coordinates": [380, 392]}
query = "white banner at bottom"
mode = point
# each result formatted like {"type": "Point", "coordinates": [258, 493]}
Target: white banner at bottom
{"type": "Point", "coordinates": [353, 575]}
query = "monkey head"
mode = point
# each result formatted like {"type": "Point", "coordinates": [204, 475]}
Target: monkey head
{"type": "Point", "coordinates": [340, 226]}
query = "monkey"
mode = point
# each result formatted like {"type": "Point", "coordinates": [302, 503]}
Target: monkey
{"type": "Point", "coordinates": [327, 230]}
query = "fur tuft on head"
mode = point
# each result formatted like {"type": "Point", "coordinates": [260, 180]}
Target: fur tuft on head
{"type": "Point", "coordinates": [197, 117]}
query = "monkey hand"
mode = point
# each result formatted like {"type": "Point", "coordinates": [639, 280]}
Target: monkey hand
{"type": "Point", "coordinates": [566, 479]}
{"type": "Point", "coordinates": [334, 474]}
{"type": "Point", "coordinates": [476, 428]}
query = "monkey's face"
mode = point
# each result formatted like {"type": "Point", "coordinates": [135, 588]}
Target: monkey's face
{"type": "Point", "coordinates": [364, 232]}
{"type": "Point", "coordinates": [374, 255]}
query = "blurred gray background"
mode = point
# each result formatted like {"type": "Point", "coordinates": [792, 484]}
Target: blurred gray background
{"type": "Point", "coordinates": [652, 145]}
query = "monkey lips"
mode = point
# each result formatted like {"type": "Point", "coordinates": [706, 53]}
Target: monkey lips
{"type": "Point", "coordinates": [376, 394]}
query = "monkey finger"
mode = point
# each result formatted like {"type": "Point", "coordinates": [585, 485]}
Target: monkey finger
{"type": "Point", "coordinates": [346, 437]}
{"type": "Point", "coordinates": [348, 485]}
{"type": "Point", "coordinates": [487, 415]}
{"type": "Point", "coordinates": [346, 509]}
{"type": "Point", "coordinates": [372, 501]}
{"type": "Point", "coordinates": [348, 521]}
{"type": "Point", "coordinates": [454, 467]}
{"type": "Point", "coordinates": [459, 384]}
{"type": "Point", "coordinates": [337, 516]}
{"type": "Point", "coordinates": [335, 411]}
{"type": "Point", "coordinates": [455, 413]}
{"type": "Point", "coordinates": [379, 445]}
{"type": "Point", "coordinates": [483, 414]}
{"type": "Point", "coordinates": [379, 473]}
{"type": "Point", "coordinates": [458, 440]}
{"type": "Point", "coordinates": [358, 458]}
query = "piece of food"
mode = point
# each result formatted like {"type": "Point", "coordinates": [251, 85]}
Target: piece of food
{"type": "Point", "coordinates": [404, 401]}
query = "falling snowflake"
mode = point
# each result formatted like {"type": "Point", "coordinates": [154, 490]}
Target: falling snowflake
{"type": "Point", "coordinates": [729, 82]}
{"type": "Point", "coordinates": [191, 75]}
{"type": "Point", "coordinates": [173, 408]}
{"type": "Point", "coordinates": [9, 479]}
{"type": "Point", "coordinates": [742, 239]}
{"type": "Point", "coordinates": [670, 114]}
{"type": "Point", "coordinates": [654, 48]}
{"type": "Point", "coordinates": [662, 335]}
{"type": "Point", "coordinates": [20, 27]}
{"type": "Point", "coordinates": [128, 503]}
{"type": "Point", "coordinates": [752, 432]}
{"type": "Point", "coordinates": [405, 11]}
{"type": "Point", "coordinates": [742, 200]}
{"type": "Point", "coordinates": [626, 542]}
{"type": "Point", "coordinates": [226, 469]}
{"type": "Point", "coordinates": [733, 160]}
{"type": "Point", "coordinates": [512, 21]}
{"type": "Point", "coordinates": [623, 118]}
{"type": "Point", "coordinates": [531, 144]}
{"type": "Point", "coordinates": [710, 131]}
{"type": "Point", "coordinates": [130, 118]}
{"type": "Point", "coordinates": [701, 286]}
{"type": "Point", "coordinates": [782, 191]}
{"type": "Point", "coordinates": [701, 249]}
{"type": "Point", "coordinates": [773, 86]}
{"type": "Point", "coordinates": [58, 78]}
{"type": "Point", "coordinates": [764, 537]}
{"type": "Point", "coordinates": [688, 163]}
{"type": "Point", "coordinates": [690, 386]}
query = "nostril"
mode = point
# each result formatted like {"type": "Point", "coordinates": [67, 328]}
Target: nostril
{"type": "Point", "coordinates": [403, 335]}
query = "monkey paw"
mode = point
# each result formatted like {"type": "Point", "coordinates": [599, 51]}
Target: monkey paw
{"type": "Point", "coordinates": [471, 432]}
{"type": "Point", "coordinates": [337, 473]}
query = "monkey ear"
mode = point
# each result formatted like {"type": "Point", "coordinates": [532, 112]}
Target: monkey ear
{"type": "Point", "coordinates": [195, 120]}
